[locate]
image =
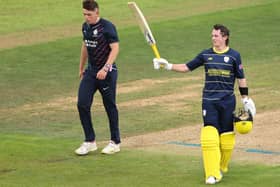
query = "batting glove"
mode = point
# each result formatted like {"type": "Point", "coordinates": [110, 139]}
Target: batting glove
{"type": "Point", "coordinates": [158, 62]}
{"type": "Point", "coordinates": [249, 105]}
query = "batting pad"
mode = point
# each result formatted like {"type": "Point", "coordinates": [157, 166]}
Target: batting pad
{"type": "Point", "coordinates": [227, 144]}
{"type": "Point", "coordinates": [210, 143]}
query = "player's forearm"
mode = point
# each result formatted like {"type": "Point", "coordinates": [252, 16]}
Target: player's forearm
{"type": "Point", "coordinates": [242, 83]}
{"type": "Point", "coordinates": [83, 57]}
{"type": "Point", "coordinates": [180, 68]}
{"type": "Point", "coordinates": [113, 54]}
{"type": "Point", "coordinates": [82, 63]}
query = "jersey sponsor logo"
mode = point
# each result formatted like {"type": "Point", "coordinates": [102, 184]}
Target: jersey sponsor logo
{"type": "Point", "coordinates": [210, 58]}
{"type": "Point", "coordinates": [91, 43]}
{"type": "Point", "coordinates": [218, 72]}
{"type": "Point", "coordinates": [226, 59]}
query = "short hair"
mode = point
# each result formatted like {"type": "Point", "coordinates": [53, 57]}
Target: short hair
{"type": "Point", "coordinates": [224, 31]}
{"type": "Point", "coordinates": [90, 4]}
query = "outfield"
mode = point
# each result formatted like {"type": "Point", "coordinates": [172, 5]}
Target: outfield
{"type": "Point", "coordinates": [159, 111]}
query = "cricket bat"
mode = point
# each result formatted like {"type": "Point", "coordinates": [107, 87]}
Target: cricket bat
{"type": "Point", "coordinates": [144, 27]}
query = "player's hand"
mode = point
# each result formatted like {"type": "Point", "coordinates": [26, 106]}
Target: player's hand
{"type": "Point", "coordinates": [81, 74]}
{"type": "Point", "coordinates": [101, 74]}
{"type": "Point", "coordinates": [161, 62]}
{"type": "Point", "coordinates": [249, 105]}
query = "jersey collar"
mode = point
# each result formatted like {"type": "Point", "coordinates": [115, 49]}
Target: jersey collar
{"type": "Point", "coordinates": [221, 52]}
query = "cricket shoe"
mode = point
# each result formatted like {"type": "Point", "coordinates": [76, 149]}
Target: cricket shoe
{"type": "Point", "coordinates": [111, 148]}
{"type": "Point", "coordinates": [213, 180]}
{"type": "Point", "coordinates": [85, 148]}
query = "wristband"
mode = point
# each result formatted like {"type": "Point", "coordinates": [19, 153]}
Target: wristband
{"type": "Point", "coordinates": [243, 90]}
{"type": "Point", "coordinates": [107, 67]}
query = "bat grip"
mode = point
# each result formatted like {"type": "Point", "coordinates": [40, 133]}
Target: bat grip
{"type": "Point", "coordinates": [154, 47]}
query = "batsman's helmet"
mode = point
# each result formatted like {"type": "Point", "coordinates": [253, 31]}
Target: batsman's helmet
{"type": "Point", "coordinates": [243, 121]}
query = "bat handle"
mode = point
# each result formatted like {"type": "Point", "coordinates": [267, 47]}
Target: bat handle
{"type": "Point", "coordinates": [154, 47]}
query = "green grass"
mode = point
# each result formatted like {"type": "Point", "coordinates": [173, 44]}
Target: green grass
{"type": "Point", "coordinates": [38, 161]}
{"type": "Point", "coordinates": [31, 15]}
{"type": "Point", "coordinates": [38, 15]}
{"type": "Point", "coordinates": [38, 137]}
{"type": "Point", "coordinates": [54, 65]}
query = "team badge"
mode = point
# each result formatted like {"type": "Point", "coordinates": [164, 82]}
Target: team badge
{"type": "Point", "coordinates": [95, 32]}
{"type": "Point", "coordinates": [226, 59]}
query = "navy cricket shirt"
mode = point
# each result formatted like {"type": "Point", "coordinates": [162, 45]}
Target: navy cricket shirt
{"type": "Point", "coordinates": [97, 38]}
{"type": "Point", "coordinates": [221, 70]}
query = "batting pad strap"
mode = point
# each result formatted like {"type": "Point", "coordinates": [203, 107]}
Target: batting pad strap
{"type": "Point", "coordinates": [244, 90]}
{"type": "Point", "coordinates": [226, 133]}
{"type": "Point", "coordinates": [209, 138]}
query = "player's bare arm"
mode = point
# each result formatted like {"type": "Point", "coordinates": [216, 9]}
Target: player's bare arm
{"type": "Point", "coordinates": [114, 53]}
{"type": "Point", "coordinates": [101, 75]}
{"type": "Point", "coordinates": [180, 68]}
{"type": "Point", "coordinates": [83, 58]}
{"type": "Point", "coordinates": [161, 62]}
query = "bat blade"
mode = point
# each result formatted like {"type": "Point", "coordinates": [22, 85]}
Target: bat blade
{"type": "Point", "coordinates": [144, 27]}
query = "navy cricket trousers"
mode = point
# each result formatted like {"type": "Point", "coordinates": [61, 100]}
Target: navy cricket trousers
{"type": "Point", "coordinates": [88, 87]}
{"type": "Point", "coordinates": [219, 113]}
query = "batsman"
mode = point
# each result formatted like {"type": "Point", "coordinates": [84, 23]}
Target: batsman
{"type": "Point", "coordinates": [222, 66]}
